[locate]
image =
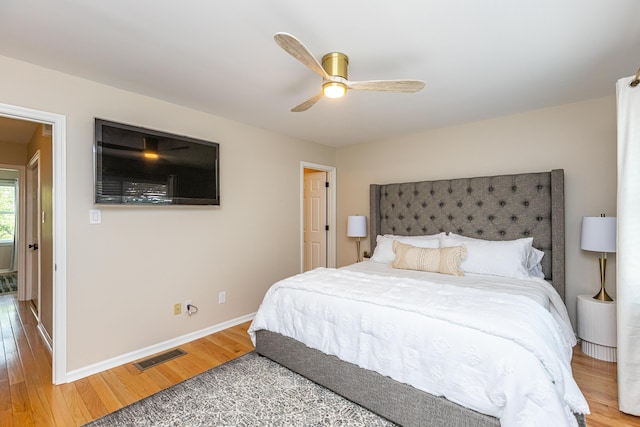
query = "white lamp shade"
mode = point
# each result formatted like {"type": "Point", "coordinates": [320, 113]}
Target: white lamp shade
{"type": "Point", "coordinates": [598, 233]}
{"type": "Point", "coordinates": [357, 226]}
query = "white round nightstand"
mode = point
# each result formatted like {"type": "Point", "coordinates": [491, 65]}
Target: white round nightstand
{"type": "Point", "coordinates": [597, 327]}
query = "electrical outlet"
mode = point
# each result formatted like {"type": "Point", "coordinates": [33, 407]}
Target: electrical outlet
{"type": "Point", "coordinates": [187, 303]}
{"type": "Point", "coordinates": [177, 309]}
{"type": "Point", "coordinates": [222, 297]}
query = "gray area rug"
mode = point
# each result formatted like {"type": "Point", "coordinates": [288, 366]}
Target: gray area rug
{"type": "Point", "coordinates": [8, 283]}
{"type": "Point", "coordinates": [248, 391]}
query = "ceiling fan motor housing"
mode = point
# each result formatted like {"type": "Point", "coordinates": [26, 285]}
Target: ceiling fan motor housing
{"type": "Point", "coordinates": [335, 64]}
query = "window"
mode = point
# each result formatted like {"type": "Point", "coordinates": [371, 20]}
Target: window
{"type": "Point", "coordinates": [7, 210]}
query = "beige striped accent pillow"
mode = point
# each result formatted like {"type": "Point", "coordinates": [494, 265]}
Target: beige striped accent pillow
{"type": "Point", "coordinates": [442, 260]}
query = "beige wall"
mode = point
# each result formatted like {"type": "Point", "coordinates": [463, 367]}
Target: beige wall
{"type": "Point", "coordinates": [579, 138]}
{"type": "Point", "coordinates": [125, 274]}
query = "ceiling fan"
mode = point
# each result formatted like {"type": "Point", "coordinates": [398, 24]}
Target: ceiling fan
{"type": "Point", "coordinates": [334, 73]}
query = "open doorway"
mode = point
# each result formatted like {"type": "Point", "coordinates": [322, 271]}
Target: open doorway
{"type": "Point", "coordinates": [41, 223]}
{"type": "Point", "coordinates": [317, 215]}
{"type": "Point", "coordinates": [23, 217]}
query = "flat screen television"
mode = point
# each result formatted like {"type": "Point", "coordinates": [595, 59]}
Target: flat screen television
{"type": "Point", "coordinates": [138, 166]}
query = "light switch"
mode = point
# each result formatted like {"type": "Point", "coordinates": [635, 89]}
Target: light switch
{"type": "Point", "coordinates": [95, 216]}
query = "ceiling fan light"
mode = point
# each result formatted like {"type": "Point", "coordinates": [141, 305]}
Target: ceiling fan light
{"type": "Point", "coordinates": [334, 89]}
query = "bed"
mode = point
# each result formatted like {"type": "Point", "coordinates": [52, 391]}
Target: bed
{"type": "Point", "coordinates": [389, 377]}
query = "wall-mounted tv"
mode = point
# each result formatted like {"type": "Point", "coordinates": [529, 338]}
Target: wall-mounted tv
{"type": "Point", "coordinates": [138, 166]}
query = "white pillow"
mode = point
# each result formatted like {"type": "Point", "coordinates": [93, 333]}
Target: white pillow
{"type": "Point", "coordinates": [533, 259]}
{"type": "Point", "coordinates": [506, 258]}
{"type": "Point", "coordinates": [383, 253]}
{"type": "Point", "coordinates": [533, 263]}
{"type": "Point", "coordinates": [536, 271]}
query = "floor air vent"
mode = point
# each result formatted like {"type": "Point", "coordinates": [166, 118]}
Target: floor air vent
{"type": "Point", "coordinates": [160, 358]}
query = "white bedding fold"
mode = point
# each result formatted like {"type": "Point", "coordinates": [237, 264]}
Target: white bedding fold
{"type": "Point", "coordinates": [498, 353]}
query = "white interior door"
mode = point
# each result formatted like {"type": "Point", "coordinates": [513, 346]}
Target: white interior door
{"type": "Point", "coordinates": [33, 232]}
{"type": "Point", "coordinates": [315, 219]}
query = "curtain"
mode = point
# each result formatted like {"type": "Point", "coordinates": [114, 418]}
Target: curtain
{"type": "Point", "coordinates": [8, 222]}
{"type": "Point", "coordinates": [14, 255]}
{"type": "Point", "coordinates": [628, 251]}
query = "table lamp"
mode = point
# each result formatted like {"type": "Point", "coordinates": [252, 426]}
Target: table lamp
{"type": "Point", "coordinates": [357, 227]}
{"type": "Point", "coordinates": [599, 235]}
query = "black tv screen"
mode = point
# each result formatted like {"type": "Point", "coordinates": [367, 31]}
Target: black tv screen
{"type": "Point", "coordinates": [138, 166]}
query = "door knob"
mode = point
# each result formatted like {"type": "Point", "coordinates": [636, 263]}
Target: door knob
{"type": "Point", "coordinates": [34, 246]}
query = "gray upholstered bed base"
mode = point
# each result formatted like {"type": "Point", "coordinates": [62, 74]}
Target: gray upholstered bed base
{"type": "Point", "coordinates": [395, 401]}
{"type": "Point", "coordinates": [496, 208]}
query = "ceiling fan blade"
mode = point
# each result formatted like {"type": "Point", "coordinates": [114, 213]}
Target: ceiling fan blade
{"type": "Point", "coordinates": [404, 86]}
{"type": "Point", "coordinates": [307, 104]}
{"type": "Point", "coordinates": [295, 48]}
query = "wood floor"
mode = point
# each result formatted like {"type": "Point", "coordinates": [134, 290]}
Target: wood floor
{"type": "Point", "coordinates": [27, 397]}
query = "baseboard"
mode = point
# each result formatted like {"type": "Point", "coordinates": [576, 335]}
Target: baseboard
{"type": "Point", "coordinates": [153, 349]}
{"type": "Point", "coordinates": [41, 330]}
{"type": "Point", "coordinates": [45, 336]}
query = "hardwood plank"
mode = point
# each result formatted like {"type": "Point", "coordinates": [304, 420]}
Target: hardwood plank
{"type": "Point", "coordinates": [159, 378]}
{"type": "Point", "coordinates": [6, 419]}
{"type": "Point", "coordinates": [6, 411]}
{"type": "Point", "coordinates": [104, 392]}
{"type": "Point", "coordinates": [173, 372]}
{"type": "Point", "coordinates": [91, 398]}
{"type": "Point", "coordinates": [79, 412]}
{"type": "Point", "coordinates": [138, 383]}
{"type": "Point", "coordinates": [122, 393]}
{"type": "Point", "coordinates": [40, 405]}
{"type": "Point", "coordinates": [207, 351]}
{"type": "Point", "coordinates": [227, 345]}
{"type": "Point", "coordinates": [59, 407]}
{"type": "Point", "coordinates": [4, 335]}
{"type": "Point", "coordinates": [20, 405]}
{"type": "Point", "coordinates": [12, 362]}
{"type": "Point", "coordinates": [38, 401]}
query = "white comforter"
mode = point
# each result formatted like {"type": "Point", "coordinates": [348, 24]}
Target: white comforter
{"type": "Point", "coordinates": [499, 353]}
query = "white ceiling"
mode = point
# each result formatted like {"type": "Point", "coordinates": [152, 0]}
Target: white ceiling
{"type": "Point", "coordinates": [479, 58]}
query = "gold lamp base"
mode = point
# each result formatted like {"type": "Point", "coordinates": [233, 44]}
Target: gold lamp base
{"type": "Point", "coordinates": [602, 295]}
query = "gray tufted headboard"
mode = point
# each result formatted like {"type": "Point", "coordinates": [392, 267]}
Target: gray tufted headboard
{"type": "Point", "coordinates": [503, 207]}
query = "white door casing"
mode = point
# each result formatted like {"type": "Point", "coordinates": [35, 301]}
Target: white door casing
{"type": "Point", "coordinates": [315, 219]}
